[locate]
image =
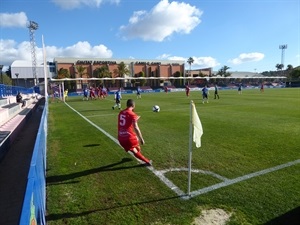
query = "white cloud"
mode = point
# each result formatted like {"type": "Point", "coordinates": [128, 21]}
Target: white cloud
{"type": "Point", "coordinates": [247, 57]}
{"type": "Point", "coordinates": [163, 20]}
{"type": "Point", "coordinates": [163, 56]}
{"type": "Point", "coordinates": [204, 62]}
{"type": "Point", "coordinates": [84, 49]}
{"type": "Point", "coordinates": [73, 4]}
{"type": "Point", "coordinates": [199, 62]}
{"type": "Point", "coordinates": [13, 20]}
{"type": "Point", "coordinates": [11, 51]}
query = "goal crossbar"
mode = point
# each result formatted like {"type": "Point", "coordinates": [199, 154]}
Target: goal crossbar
{"type": "Point", "coordinates": [161, 78]}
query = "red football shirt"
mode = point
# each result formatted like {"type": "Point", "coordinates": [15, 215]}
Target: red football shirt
{"type": "Point", "coordinates": [125, 124]}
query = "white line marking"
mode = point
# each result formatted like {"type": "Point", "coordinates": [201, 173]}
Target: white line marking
{"type": "Point", "coordinates": [242, 178]}
{"type": "Point", "coordinates": [173, 187]}
{"type": "Point", "coordinates": [196, 171]}
{"type": "Point", "coordinates": [90, 122]}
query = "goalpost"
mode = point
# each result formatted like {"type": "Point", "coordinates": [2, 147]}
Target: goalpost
{"type": "Point", "coordinates": [177, 82]}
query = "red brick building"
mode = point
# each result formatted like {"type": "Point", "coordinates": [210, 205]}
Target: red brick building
{"type": "Point", "coordinates": [136, 68]}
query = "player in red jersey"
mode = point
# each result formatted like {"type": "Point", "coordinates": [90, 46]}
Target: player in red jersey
{"type": "Point", "coordinates": [187, 90]}
{"type": "Point", "coordinates": [92, 93]}
{"type": "Point", "coordinates": [129, 134]}
{"type": "Point", "coordinates": [166, 89]}
{"type": "Point", "coordinates": [262, 87]}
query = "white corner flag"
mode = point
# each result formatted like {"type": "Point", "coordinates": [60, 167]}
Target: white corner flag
{"type": "Point", "coordinates": [195, 136]}
{"type": "Point", "coordinates": [198, 131]}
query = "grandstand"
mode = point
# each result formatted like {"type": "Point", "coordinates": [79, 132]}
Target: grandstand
{"type": "Point", "coordinates": [12, 117]}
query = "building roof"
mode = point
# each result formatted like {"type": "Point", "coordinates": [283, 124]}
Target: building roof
{"type": "Point", "coordinates": [25, 63]}
{"type": "Point", "coordinates": [245, 74]}
{"type": "Point", "coordinates": [24, 69]}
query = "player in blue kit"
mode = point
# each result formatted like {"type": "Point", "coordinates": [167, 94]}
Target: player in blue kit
{"type": "Point", "coordinates": [138, 92]}
{"type": "Point", "coordinates": [118, 98]}
{"type": "Point", "coordinates": [204, 94]}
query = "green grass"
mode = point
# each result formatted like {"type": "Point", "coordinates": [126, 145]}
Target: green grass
{"type": "Point", "coordinates": [91, 180]}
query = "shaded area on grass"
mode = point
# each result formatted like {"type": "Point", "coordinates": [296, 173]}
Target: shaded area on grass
{"type": "Point", "coordinates": [60, 178]}
{"type": "Point", "coordinates": [67, 215]}
{"type": "Point", "coordinates": [291, 217]}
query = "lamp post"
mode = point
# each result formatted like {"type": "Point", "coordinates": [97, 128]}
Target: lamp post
{"type": "Point", "coordinates": [17, 75]}
{"type": "Point", "coordinates": [1, 67]}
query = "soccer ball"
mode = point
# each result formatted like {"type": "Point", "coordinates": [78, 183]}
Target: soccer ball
{"type": "Point", "coordinates": [156, 108]}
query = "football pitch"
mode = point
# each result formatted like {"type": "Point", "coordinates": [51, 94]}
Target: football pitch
{"type": "Point", "coordinates": [248, 164]}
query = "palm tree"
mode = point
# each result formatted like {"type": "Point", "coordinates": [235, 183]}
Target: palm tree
{"type": "Point", "coordinates": [64, 73]}
{"type": "Point", "coordinates": [223, 71]}
{"type": "Point", "coordinates": [279, 66]}
{"type": "Point", "coordinates": [102, 72]}
{"type": "Point", "coordinates": [190, 61]}
{"type": "Point", "coordinates": [81, 71]}
{"type": "Point", "coordinates": [142, 81]}
{"type": "Point", "coordinates": [289, 67]}
{"type": "Point", "coordinates": [122, 70]}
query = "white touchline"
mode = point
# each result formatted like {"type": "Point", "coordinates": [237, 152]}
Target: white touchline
{"type": "Point", "coordinates": [173, 187]}
{"type": "Point", "coordinates": [90, 122]}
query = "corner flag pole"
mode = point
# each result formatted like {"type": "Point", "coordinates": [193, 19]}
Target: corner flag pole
{"type": "Point", "coordinates": [190, 148]}
{"type": "Point", "coordinates": [196, 132]}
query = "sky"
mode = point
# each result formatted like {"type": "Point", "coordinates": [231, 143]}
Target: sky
{"type": "Point", "coordinates": [244, 35]}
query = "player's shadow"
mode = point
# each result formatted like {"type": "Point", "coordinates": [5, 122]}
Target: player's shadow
{"type": "Point", "coordinates": [111, 167]}
{"type": "Point", "coordinates": [67, 215]}
{"type": "Point", "coordinates": [291, 218]}
{"type": "Point", "coordinates": [91, 145]}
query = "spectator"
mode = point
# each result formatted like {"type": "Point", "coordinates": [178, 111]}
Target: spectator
{"type": "Point", "coordinates": [19, 99]}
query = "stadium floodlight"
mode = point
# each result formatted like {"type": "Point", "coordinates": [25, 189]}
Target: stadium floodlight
{"type": "Point", "coordinates": [33, 25]}
{"type": "Point", "coordinates": [282, 47]}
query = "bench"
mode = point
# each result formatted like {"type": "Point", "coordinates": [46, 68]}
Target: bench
{"type": "Point", "coordinates": [9, 111]}
{"type": "Point", "coordinates": [3, 101]}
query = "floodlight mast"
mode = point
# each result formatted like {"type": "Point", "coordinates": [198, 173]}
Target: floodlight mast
{"type": "Point", "coordinates": [282, 47]}
{"type": "Point", "coordinates": [32, 26]}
